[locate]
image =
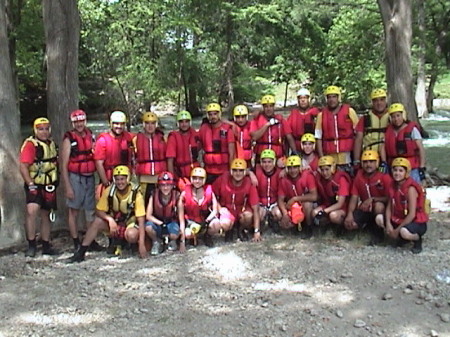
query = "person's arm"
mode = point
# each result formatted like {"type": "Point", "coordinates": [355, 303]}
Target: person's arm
{"type": "Point", "coordinates": [349, 219]}
{"type": "Point", "coordinates": [149, 215]}
{"type": "Point", "coordinates": [182, 220]}
{"type": "Point", "coordinates": [25, 173]}
{"type": "Point", "coordinates": [285, 219]}
{"type": "Point", "coordinates": [170, 166]}
{"type": "Point", "coordinates": [412, 207]}
{"type": "Point", "coordinates": [109, 219]}
{"type": "Point", "coordinates": [215, 209]}
{"type": "Point", "coordinates": [291, 142]}
{"type": "Point", "coordinates": [257, 134]}
{"type": "Point", "coordinates": [231, 151]}
{"type": "Point", "coordinates": [256, 224]}
{"type": "Point", "coordinates": [337, 205]}
{"type": "Point", "coordinates": [421, 149]}
{"type": "Point", "coordinates": [101, 172]}
{"type": "Point", "coordinates": [318, 135]}
{"type": "Point", "coordinates": [64, 158]}
{"type": "Point", "coordinates": [142, 250]}
{"type": "Point", "coordinates": [357, 148]}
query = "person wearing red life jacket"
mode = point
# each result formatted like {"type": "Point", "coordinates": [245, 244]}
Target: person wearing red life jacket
{"type": "Point", "coordinates": [403, 139]}
{"type": "Point", "coordinates": [296, 194]}
{"type": "Point", "coordinates": [77, 172]}
{"type": "Point", "coordinates": [368, 199]}
{"type": "Point", "coordinates": [241, 130]}
{"type": "Point", "coordinates": [38, 164]}
{"type": "Point", "coordinates": [335, 129]}
{"type": "Point", "coordinates": [217, 142]}
{"type": "Point", "coordinates": [372, 126]}
{"type": "Point", "coordinates": [113, 148]}
{"type": "Point", "coordinates": [120, 211]}
{"type": "Point", "coordinates": [197, 210]}
{"type": "Point", "coordinates": [334, 190]}
{"type": "Point", "coordinates": [302, 120]}
{"type": "Point", "coordinates": [183, 148]}
{"type": "Point", "coordinates": [270, 130]}
{"type": "Point", "coordinates": [162, 219]}
{"type": "Point", "coordinates": [268, 177]}
{"type": "Point", "coordinates": [310, 160]}
{"type": "Point", "coordinates": [150, 154]}
{"type": "Point", "coordinates": [238, 203]}
{"type": "Point", "coordinates": [406, 217]}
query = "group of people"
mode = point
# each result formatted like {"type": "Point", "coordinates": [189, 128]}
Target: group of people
{"type": "Point", "coordinates": [317, 169]}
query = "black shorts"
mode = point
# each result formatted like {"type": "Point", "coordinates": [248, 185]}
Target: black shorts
{"type": "Point", "coordinates": [40, 196]}
{"type": "Point", "coordinates": [417, 228]}
{"type": "Point", "coordinates": [363, 218]}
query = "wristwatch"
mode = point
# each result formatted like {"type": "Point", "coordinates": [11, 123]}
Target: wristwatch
{"type": "Point", "coordinates": [256, 230]}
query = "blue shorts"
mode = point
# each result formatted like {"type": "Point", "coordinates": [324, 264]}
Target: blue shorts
{"type": "Point", "coordinates": [172, 228]}
{"type": "Point", "coordinates": [415, 175]}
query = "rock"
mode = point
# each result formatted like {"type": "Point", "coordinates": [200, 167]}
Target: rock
{"type": "Point", "coordinates": [444, 317]}
{"type": "Point", "coordinates": [387, 296]}
{"type": "Point", "coordinates": [346, 275]}
{"type": "Point", "coordinates": [359, 323]}
{"type": "Point", "coordinates": [434, 333]}
{"type": "Point", "coordinates": [407, 291]}
{"type": "Point", "coordinates": [339, 314]}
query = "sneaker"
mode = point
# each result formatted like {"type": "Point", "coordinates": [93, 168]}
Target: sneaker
{"type": "Point", "coordinates": [207, 238]}
{"type": "Point", "coordinates": [31, 251]}
{"type": "Point", "coordinates": [50, 251]}
{"type": "Point", "coordinates": [306, 233]}
{"type": "Point", "coordinates": [172, 246]}
{"type": "Point", "coordinates": [77, 257]}
{"type": "Point", "coordinates": [156, 248]}
{"type": "Point", "coordinates": [95, 247]}
{"type": "Point", "coordinates": [417, 247]}
{"type": "Point", "coordinates": [118, 251]}
{"type": "Point", "coordinates": [401, 242]}
{"type": "Point", "coordinates": [243, 234]}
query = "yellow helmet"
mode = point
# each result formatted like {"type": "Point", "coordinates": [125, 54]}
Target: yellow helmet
{"type": "Point", "coordinates": [198, 172]}
{"type": "Point", "coordinates": [268, 99]}
{"type": "Point", "coordinates": [293, 161]}
{"type": "Point", "coordinates": [149, 117]}
{"type": "Point", "coordinates": [370, 155]}
{"type": "Point", "coordinates": [40, 121]}
{"type": "Point", "coordinates": [238, 164]}
{"type": "Point", "coordinates": [328, 161]}
{"type": "Point", "coordinates": [332, 90]}
{"type": "Point", "coordinates": [268, 154]}
{"type": "Point", "coordinates": [400, 161]}
{"type": "Point", "coordinates": [122, 170]}
{"type": "Point", "coordinates": [378, 93]}
{"type": "Point", "coordinates": [308, 137]}
{"type": "Point", "coordinates": [240, 110]}
{"type": "Point", "coordinates": [183, 115]}
{"type": "Point", "coordinates": [213, 107]}
{"type": "Point", "coordinates": [397, 107]}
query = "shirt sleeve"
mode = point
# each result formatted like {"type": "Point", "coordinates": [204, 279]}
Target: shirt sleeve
{"type": "Point", "coordinates": [360, 125]}
{"type": "Point", "coordinates": [100, 149]}
{"type": "Point", "coordinates": [287, 130]}
{"type": "Point", "coordinates": [230, 136]}
{"type": "Point", "coordinates": [253, 198]}
{"type": "Point", "coordinates": [102, 204]}
{"type": "Point", "coordinates": [318, 129]}
{"type": "Point", "coordinates": [28, 153]}
{"type": "Point", "coordinates": [310, 182]}
{"type": "Point", "coordinates": [344, 187]}
{"type": "Point", "coordinates": [353, 116]}
{"type": "Point", "coordinates": [171, 151]}
{"type": "Point", "coordinates": [415, 134]}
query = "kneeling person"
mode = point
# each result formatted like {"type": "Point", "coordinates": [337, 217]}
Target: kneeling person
{"type": "Point", "coordinates": [120, 207]}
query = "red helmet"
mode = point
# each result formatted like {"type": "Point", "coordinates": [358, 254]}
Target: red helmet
{"type": "Point", "coordinates": [166, 178]}
{"type": "Point", "coordinates": [77, 115]}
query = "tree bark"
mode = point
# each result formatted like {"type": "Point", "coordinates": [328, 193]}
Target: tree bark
{"type": "Point", "coordinates": [12, 199]}
{"type": "Point", "coordinates": [421, 92]}
{"type": "Point", "coordinates": [397, 22]}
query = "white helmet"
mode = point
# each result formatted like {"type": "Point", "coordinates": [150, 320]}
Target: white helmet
{"type": "Point", "coordinates": [303, 92]}
{"type": "Point", "coordinates": [118, 117]}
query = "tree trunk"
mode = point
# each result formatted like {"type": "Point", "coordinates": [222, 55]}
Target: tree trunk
{"type": "Point", "coordinates": [62, 34]}
{"type": "Point", "coordinates": [397, 22]}
{"type": "Point", "coordinates": [421, 92]}
{"type": "Point", "coordinates": [12, 201]}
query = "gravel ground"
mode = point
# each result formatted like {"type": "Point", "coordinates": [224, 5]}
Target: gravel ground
{"type": "Point", "coordinates": [283, 286]}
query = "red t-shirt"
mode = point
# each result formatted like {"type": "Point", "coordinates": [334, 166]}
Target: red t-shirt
{"type": "Point", "coordinates": [301, 185]}
{"type": "Point", "coordinates": [366, 187]}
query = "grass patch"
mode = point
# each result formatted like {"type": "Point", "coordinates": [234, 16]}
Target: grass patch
{"type": "Point", "coordinates": [442, 88]}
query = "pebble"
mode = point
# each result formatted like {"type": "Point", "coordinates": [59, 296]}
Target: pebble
{"type": "Point", "coordinates": [444, 317]}
{"type": "Point", "coordinates": [359, 323]}
{"type": "Point", "coordinates": [339, 314]}
{"type": "Point", "coordinates": [434, 333]}
{"type": "Point", "coordinates": [387, 296]}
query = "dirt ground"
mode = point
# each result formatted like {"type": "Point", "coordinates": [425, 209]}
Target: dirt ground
{"type": "Point", "coordinates": [283, 286]}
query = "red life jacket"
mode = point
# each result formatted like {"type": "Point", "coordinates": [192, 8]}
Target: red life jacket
{"type": "Point", "coordinates": [215, 145]}
{"type": "Point", "coordinates": [234, 198]}
{"type": "Point", "coordinates": [328, 189]}
{"type": "Point", "coordinates": [187, 152]}
{"type": "Point", "coordinates": [301, 123]}
{"type": "Point", "coordinates": [168, 212]}
{"type": "Point", "coordinates": [373, 186]}
{"type": "Point", "coordinates": [193, 210]}
{"type": "Point", "coordinates": [150, 153]}
{"type": "Point", "coordinates": [401, 144]}
{"type": "Point", "coordinates": [337, 131]}
{"type": "Point", "coordinates": [313, 166]}
{"type": "Point", "coordinates": [118, 151]}
{"type": "Point", "coordinates": [272, 138]}
{"type": "Point", "coordinates": [399, 201]}
{"type": "Point", "coordinates": [81, 159]}
{"type": "Point", "coordinates": [267, 185]}
{"type": "Point", "coordinates": [243, 142]}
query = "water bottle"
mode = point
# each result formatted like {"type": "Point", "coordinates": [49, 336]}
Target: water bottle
{"type": "Point", "coordinates": [443, 276]}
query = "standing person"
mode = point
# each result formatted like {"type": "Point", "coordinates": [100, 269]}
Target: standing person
{"type": "Point", "coordinates": [268, 177]}
{"type": "Point", "coordinates": [335, 129]}
{"type": "Point", "coordinates": [113, 148]}
{"type": "Point", "coordinates": [241, 130]}
{"type": "Point", "coordinates": [77, 171]}
{"type": "Point", "coordinates": [372, 126]}
{"type": "Point", "coordinates": [406, 218]}
{"type": "Point", "coordinates": [302, 120]}
{"type": "Point", "coordinates": [120, 212]}
{"type": "Point", "coordinates": [334, 190]}
{"type": "Point", "coordinates": [183, 147]}
{"type": "Point", "coordinates": [238, 202]}
{"type": "Point", "coordinates": [403, 139]}
{"type": "Point", "coordinates": [217, 141]}
{"type": "Point", "coordinates": [197, 210]}
{"type": "Point", "coordinates": [39, 170]}
{"type": "Point", "coordinates": [270, 130]}
{"type": "Point", "coordinates": [310, 160]}
{"type": "Point", "coordinates": [296, 194]}
{"type": "Point", "coordinates": [150, 154]}
{"type": "Point", "coordinates": [368, 199]}
{"type": "Point", "coordinates": [162, 219]}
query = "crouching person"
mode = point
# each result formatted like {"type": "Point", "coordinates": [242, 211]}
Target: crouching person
{"type": "Point", "coordinates": [162, 226]}
{"type": "Point", "coordinates": [334, 189]}
{"type": "Point", "coordinates": [197, 210]}
{"type": "Point", "coordinates": [406, 217]}
{"type": "Point", "coordinates": [368, 198]}
{"type": "Point", "coordinates": [120, 212]}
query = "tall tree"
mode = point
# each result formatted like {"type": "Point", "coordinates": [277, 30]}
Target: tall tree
{"type": "Point", "coordinates": [397, 22]}
{"type": "Point", "coordinates": [11, 193]}
{"type": "Point", "coordinates": [421, 92]}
